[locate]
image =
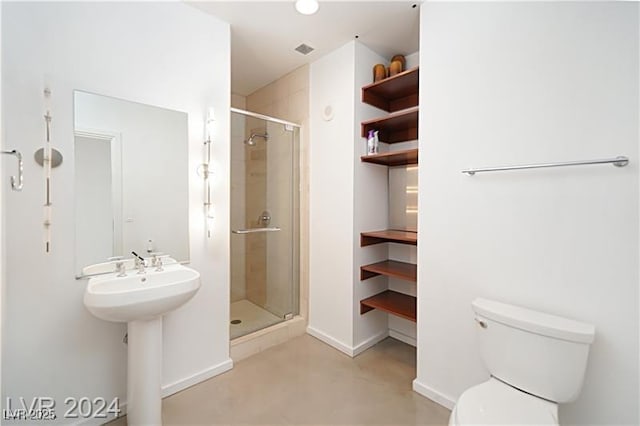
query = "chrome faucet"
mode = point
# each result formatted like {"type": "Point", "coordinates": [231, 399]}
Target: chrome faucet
{"type": "Point", "coordinates": [140, 266]}
{"type": "Point", "coordinates": [155, 256]}
{"type": "Point", "coordinates": [156, 260]}
{"type": "Point", "coordinates": [118, 261]}
{"type": "Point", "coordinates": [159, 267]}
{"type": "Point", "coordinates": [139, 262]}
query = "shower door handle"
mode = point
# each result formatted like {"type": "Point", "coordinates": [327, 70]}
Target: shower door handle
{"type": "Point", "coordinates": [255, 230]}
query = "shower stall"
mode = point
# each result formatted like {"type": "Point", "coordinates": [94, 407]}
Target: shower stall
{"type": "Point", "coordinates": [264, 221]}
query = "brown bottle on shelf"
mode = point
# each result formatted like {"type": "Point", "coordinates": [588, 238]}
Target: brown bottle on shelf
{"type": "Point", "coordinates": [402, 60]}
{"type": "Point", "coordinates": [379, 72]}
{"type": "Point", "coordinates": [395, 68]}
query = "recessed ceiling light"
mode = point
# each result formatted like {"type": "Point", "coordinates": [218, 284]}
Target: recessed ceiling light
{"type": "Point", "coordinates": [307, 7]}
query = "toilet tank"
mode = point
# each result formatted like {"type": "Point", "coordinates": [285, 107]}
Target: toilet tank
{"type": "Point", "coordinates": [541, 354]}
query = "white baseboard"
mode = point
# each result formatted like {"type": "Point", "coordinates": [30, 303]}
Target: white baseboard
{"type": "Point", "coordinates": [434, 395]}
{"type": "Point", "coordinates": [167, 390]}
{"type": "Point", "coordinates": [403, 338]}
{"type": "Point", "coordinates": [349, 350]}
{"type": "Point", "coordinates": [194, 379]}
{"type": "Point", "coordinates": [330, 341]}
{"type": "Point", "coordinates": [369, 342]}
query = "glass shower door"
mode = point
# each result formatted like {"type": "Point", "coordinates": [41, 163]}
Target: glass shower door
{"type": "Point", "coordinates": [264, 220]}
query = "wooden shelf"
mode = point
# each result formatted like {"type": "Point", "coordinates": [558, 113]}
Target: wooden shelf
{"type": "Point", "coordinates": [399, 96]}
{"type": "Point", "coordinates": [393, 158]}
{"type": "Point", "coordinates": [396, 127]}
{"type": "Point", "coordinates": [392, 302]}
{"type": "Point", "coordinates": [388, 236]}
{"type": "Point", "coordinates": [394, 93]}
{"type": "Point", "coordinates": [390, 268]}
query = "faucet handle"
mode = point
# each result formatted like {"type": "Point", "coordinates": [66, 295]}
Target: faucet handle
{"type": "Point", "coordinates": [119, 262]}
{"type": "Point", "coordinates": [137, 258]}
{"type": "Point", "coordinates": [155, 256]}
{"type": "Point", "coordinates": [158, 262]}
{"type": "Point", "coordinates": [139, 262]}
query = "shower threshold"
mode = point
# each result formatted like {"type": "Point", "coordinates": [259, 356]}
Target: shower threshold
{"type": "Point", "coordinates": [250, 344]}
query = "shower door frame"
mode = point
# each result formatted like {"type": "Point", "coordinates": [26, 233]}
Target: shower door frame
{"type": "Point", "coordinates": [295, 207]}
{"type": "Point", "coordinates": [265, 117]}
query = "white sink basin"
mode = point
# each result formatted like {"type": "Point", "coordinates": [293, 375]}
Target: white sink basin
{"type": "Point", "coordinates": [140, 296]}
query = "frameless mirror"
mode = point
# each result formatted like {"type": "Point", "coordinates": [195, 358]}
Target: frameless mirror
{"type": "Point", "coordinates": [131, 180]}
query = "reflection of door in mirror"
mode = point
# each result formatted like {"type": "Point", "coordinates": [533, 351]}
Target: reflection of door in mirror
{"type": "Point", "coordinates": [131, 180]}
{"type": "Point", "coordinates": [98, 172]}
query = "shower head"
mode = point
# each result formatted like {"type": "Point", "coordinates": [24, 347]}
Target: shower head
{"type": "Point", "coordinates": [251, 142]}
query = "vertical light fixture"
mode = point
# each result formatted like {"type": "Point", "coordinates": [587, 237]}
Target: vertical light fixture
{"type": "Point", "coordinates": [46, 165]}
{"type": "Point", "coordinates": [206, 172]}
{"type": "Point", "coordinates": [48, 157]}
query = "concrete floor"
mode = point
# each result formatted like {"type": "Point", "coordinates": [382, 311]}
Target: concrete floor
{"type": "Point", "coordinates": [306, 382]}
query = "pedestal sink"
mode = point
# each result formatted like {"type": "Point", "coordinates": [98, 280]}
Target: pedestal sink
{"type": "Point", "coordinates": [140, 300]}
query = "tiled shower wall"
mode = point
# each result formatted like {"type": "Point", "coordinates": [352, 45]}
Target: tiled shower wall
{"type": "Point", "coordinates": [238, 124]}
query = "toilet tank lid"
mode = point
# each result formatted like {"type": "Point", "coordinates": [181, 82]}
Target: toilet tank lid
{"type": "Point", "coordinates": [534, 321]}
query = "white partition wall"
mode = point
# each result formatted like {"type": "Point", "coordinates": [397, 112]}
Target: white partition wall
{"type": "Point", "coordinates": [163, 54]}
{"type": "Point", "coordinates": [513, 83]}
{"type": "Point", "coordinates": [331, 158]}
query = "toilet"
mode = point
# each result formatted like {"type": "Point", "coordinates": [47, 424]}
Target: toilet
{"type": "Point", "coordinates": [536, 362]}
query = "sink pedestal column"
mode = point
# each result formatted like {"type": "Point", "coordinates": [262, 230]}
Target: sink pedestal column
{"type": "Point", "coordinates": [144, 373]}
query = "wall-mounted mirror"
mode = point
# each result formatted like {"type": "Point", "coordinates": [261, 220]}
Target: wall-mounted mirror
{"type": "Point", "coordinates": [131, 180]}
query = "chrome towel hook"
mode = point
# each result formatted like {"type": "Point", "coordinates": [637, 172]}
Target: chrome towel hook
{"type": "Point", "coordinates": [16, 183]}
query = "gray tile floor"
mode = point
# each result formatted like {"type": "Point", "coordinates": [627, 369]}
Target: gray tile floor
{"type": "Point", "coordinates": [305, 382]}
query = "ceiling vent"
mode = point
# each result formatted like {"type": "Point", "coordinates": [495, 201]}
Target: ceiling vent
{"type": "Point", "coordinates": [304, 49]}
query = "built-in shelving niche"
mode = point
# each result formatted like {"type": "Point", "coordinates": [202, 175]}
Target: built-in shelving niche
{"type": "Point", "coordinates": [397, 95]}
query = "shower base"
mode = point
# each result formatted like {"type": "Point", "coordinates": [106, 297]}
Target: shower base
{"type": "Point", "coordinates": [252, 318]}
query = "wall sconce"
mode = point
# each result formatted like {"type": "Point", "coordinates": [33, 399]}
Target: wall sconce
{"type": "Point", "coordinates": [49, 158]}
{"type": "Point", "coordinates": [205, 171]}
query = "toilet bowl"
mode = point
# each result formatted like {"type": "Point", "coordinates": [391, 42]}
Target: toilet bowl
{"type": "Point", "coordinates": [536, 361]}
{"type": "Point", "coordinates": [496, 403]}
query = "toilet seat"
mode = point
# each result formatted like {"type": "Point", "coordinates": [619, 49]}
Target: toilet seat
{"type": "Point", "coordinates": [496, 403]}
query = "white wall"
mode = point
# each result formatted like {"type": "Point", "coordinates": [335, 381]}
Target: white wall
{"type": "Point", "coordinates": [371, 208]}
{"type": "Point", "coordinates": [511, 83]}
{"type": "Point", "coordinates": [2, 242]}
{"type": "Point", "coordinates": [331, 198]}
{"type": "Point", "coordinates": [164, 54]}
